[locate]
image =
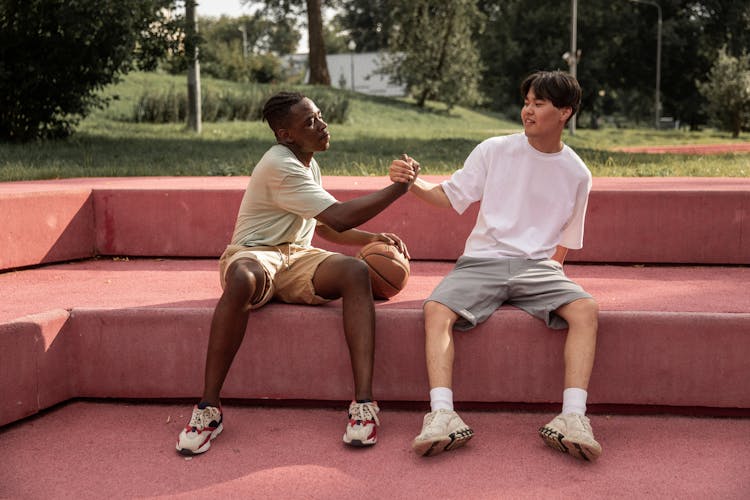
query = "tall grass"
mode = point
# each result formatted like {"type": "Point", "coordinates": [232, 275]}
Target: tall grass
{"type": "Point", "coordinates": [375, 131]}
{"type": "Point", "coordinates": [170, 105]}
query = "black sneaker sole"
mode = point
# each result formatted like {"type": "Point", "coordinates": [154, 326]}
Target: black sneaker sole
{"type": "Point", "coordinates": [356, 443]}
{"type": "Point", "coordinates": [557, 441]}
{"type": "Point", "coordinates": [451, 442]}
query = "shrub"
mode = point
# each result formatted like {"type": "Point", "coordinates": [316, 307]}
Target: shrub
{"type": "Point", "coordinates": [728, 91]}
{"type": "Point", "coordinates": [224, 105]}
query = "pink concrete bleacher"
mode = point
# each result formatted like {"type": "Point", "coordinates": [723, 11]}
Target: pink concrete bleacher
{"type": "Point", "coordinates": [136, 326]}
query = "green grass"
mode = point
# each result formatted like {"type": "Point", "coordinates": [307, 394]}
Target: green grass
{"type": "Point", "coordinates": [378, 130]}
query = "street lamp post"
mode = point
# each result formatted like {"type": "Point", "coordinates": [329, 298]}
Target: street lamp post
{"type": "Point", "coordinates": [243, 30]}
{"type": "Point", "coordinates": [574, 55]}
{"type": "Point", "coordinates": [657, 103]}
{"type": "Point", "coordinates": [352, 46]}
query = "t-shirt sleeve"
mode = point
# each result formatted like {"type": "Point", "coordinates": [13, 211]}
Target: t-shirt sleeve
{"type": "Point", "coordinates": [572, 234]}
{"type": "Point", "coordinates": [466, 185]}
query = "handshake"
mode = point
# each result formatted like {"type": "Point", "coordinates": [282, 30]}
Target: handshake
{"type": "Point", "coordinates": [404, 170]}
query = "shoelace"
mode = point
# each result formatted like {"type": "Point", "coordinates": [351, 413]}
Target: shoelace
{"type": "Point", "coordinates": [363, 412]}
{"type": "Point", "coordinates": [202, 418]}
{"type": "Point", "coordinates": [584, 421]}
{"type": "Point", "coordinates": [432, 418]}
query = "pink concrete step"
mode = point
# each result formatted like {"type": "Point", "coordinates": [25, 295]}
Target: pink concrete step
{"type": "Point", "coordinates": [670, 335]}
{"type": "Point", "coordinates": [84, 450]}
{"type": "Point", "coordinates": [646, 220]}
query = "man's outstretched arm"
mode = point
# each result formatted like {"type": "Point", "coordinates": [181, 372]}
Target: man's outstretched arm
{"type": "Point", "coordinates": [342, 216]}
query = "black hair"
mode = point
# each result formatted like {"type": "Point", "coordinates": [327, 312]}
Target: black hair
{"type": "Point", "coordinates": [277, 108]}
{"type": "Point", "coordinates": [558, 87]}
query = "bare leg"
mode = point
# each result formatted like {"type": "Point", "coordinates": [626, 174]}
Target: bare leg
{"type": "Point", "coordinates": [570, 432]}
{"type": "Point", "coordinates": [349, 278]}
{"type": "Point", "coordinates": [245, 280]}
{"type": "Point", "coordinates": [442, 429]}
{"type": "Point", "coordinates": [439, 350]}
{"type": "Point", "coordinates": [580, 344]}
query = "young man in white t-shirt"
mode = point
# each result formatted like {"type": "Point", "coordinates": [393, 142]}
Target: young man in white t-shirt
{"type": "Point", "coordinates": [271, 257]}
{"type": "Point", "coordinates": [533, 191]}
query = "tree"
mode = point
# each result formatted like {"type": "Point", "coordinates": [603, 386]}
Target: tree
{"type": "Point", "coordinates": [318, 65]}
{"type": "Point", "coordinates": [194, 68]}
{"type": "Point", "coordinates": [55, 55]}
{"type": "Point", "coordinates": [316, 42]}
{"type": "Point", "coordinates": [727, 90]}
{"type": "Point", "coordinates": [368, 23]}
{"type": "Point", "coordinates": [618, 44]}
{"type": "Point", "coordinates": [432, 50]}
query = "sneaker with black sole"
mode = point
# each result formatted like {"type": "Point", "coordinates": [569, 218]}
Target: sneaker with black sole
{"type": "Point", "coordinates": [362, 427]}
{"type": "Point", "coordinates": [442, 430]}
{"type": "Point", "coordinates": [205, 424]}
{"type": "Point", "coordinates": [571, 433]}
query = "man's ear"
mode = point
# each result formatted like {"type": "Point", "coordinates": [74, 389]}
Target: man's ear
{"type": "Point", "coordinates": [283, 136]}
{"type": "Point", "coordinates": [565, 113]}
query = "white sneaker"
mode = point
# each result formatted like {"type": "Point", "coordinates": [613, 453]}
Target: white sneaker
{"type": "Point", "coordinates": [442, 430]}
{"type": "Point", "coordinates": [205, 424]}
{"type": "Point", "coordinates": [362, 428]}
{"type": "Point", "coordinates": [571, 433]}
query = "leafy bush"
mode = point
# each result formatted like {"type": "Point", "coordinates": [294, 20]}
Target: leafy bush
{"type": "Point", "coordinates": [226, 105]}
{"type": "Point", "coordinates": [728, 91]}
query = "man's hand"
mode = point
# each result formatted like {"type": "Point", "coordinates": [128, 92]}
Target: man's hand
{"type": "Point", "coordinates": [404, 170]}
{"type": "Point", "coordinates": [392, 239]}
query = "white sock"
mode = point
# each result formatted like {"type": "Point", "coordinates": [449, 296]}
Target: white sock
{"type": "Point", "coordinates": [441, 398]}
{"type": "Point", "coordinates": [574, 401]}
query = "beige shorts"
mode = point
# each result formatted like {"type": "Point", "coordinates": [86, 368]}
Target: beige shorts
{"type": "Point", "coordinates": [289, 271]}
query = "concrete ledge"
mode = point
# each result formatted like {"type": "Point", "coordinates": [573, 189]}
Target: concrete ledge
{"type": "Point", "coordinates": [669, 336]}
{"type": "Point", "coordinates": [35, 372]}
{"type": "Point", "coordinates": [45, 226]}
{"type": "Point", "coordinates": [645, 220]}
{"type": "Point", "coordinates": [512, 358]}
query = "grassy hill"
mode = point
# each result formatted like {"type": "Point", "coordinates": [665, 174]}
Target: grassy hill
{"type": "Point", "coordinates": [377, 130]}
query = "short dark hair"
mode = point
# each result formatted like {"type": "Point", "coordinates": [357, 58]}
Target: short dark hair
{"type": "Point", "coordinates": [558, 87]}
{"type": "Point", "coordinates": [277, 108]}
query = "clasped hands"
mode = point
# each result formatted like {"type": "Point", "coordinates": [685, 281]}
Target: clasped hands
{"type": "Point", "coordinates": [404, 170]}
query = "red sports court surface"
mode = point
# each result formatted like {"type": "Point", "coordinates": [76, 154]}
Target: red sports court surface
{"type": "Point", "coordinates": [120, 450]}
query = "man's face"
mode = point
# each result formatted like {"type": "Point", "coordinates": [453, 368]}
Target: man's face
{"type": "Point", "coordinates": [540, 117]}
{"type": "Point", "coordinates": [306, 131]}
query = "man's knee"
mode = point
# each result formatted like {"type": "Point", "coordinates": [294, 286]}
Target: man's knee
{"type": "Point", "coordinates": [356, 270]}
{"type": "Point", "coordinates": [348, 272]}
{"type": "Point", "coordinates": [341, 275]}
{"type": "Point", "coordinates": [245, 281]}
{"type": "Point", "coordinates": [580, 312]}
{"type": "Point", "coordinates": [437, 312]}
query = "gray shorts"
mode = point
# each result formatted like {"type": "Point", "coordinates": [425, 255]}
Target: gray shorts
{"type": "Point", "coordinates": [475, 288]}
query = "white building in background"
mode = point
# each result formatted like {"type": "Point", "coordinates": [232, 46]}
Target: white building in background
{"type": "Point", "coordinates": [357, 72]}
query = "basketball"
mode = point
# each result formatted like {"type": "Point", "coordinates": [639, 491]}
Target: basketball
{"type": "Point", "coordinates": [389, 268]}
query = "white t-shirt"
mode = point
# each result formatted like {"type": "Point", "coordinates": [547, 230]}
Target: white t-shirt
{"type": "Point", "coordinates": [530, 201]}
{"type": "Point", "coordinates": [281, 201]}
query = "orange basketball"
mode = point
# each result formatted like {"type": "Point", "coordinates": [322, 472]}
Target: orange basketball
{"type": "Point", "coordinates": [389, 268]}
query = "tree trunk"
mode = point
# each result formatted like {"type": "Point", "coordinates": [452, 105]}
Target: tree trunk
{"type": "Point", "coordinates": [317, 58]}
{"type": "Point", "coordinates": [194, 70]}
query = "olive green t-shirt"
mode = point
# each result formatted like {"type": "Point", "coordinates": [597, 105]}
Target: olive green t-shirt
{"type": "Point", "coordinates": [281, 201]}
